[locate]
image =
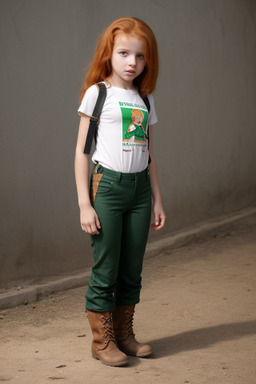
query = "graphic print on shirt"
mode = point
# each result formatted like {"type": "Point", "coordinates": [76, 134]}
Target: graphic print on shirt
{"type": "Point", "coordinates": [134, 126]}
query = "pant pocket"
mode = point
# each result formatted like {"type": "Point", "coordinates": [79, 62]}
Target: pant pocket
{"type": "Point", "coordinates": [105, 185]}
{"type": "Point", "coordinates": [100, 184]}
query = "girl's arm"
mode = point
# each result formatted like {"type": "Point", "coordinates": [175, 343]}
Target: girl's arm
{"type": "Point", "coordinates": [158, 209]}
{"type": "Point", "coordinates": [88, 217]}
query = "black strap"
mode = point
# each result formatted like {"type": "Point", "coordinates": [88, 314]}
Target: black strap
{"type": "Point", "coordinates": [146, 101]}
{"type": "Point", "coordinates": [95, 118]}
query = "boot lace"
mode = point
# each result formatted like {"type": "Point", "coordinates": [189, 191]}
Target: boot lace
{"type": "Point", "coordinates": [108, 329]}
{"type": "Point", "coordinates": [129, 323]}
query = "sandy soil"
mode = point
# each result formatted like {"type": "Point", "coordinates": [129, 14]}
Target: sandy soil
{"type": "Point", "coordinates": [197, 310]}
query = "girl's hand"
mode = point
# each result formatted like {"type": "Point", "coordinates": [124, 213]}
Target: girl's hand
{"type": "Point", "coordinates": [89, 220]}
{"type": "Point", "coordinates": [160, 217]}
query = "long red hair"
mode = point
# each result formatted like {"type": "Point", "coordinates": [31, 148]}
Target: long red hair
{"type": "Point", "coordinates": [100, 67]}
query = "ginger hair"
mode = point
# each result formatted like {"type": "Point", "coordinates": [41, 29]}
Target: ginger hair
{"type": "Point", "coordinates": [100, 68]}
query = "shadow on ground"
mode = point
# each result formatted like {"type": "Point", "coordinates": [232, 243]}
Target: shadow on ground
{"type": "Point", "coordinates": [201, 338]}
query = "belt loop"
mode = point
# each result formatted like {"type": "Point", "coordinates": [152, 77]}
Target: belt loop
{"type": "Point", "coordinates": [118, 176]}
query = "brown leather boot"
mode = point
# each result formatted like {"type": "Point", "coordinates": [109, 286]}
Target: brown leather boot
{"type": "Point", "coordinates": [125, 337]}
{"type": "Point", "coordinates": [104, 346]}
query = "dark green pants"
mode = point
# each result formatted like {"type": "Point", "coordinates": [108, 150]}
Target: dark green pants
{"type": "Point", "coordinates": [123, 204]}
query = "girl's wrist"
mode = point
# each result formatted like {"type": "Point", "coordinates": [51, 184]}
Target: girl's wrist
{"type": "Point", "coordinates": [84, 204]}
{"type": "Point", "coordinates": [157, 199]}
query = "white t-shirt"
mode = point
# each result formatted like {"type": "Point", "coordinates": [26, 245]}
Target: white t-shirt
{"type": "Point", "coordinates": [122, 136]}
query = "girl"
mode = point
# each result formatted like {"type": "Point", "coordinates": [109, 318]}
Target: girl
{"type": "Point", "coordinates": [116, 209]}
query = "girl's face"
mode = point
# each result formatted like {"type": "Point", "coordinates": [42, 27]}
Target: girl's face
{"type": "Point", "coordinates": [127, 61]}
{"type": "Point", "coordinates": [138, 120]}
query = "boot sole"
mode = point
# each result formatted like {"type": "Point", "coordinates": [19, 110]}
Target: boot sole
{"type": "Point", "coordinates": [117, 364]}
{"type": "Point", "coordinates": [144, 354]}
{"type": "Point", "coordinates": [136, 355]}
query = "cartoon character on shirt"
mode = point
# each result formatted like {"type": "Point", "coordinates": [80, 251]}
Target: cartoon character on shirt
{"type": "Point", "coordinates": [135, 131]}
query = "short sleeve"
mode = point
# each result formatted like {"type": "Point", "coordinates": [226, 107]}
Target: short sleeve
{"type": "Point", "coordinates": [152, 114]}
{"type": "Point", "coordinates": [89, 100]}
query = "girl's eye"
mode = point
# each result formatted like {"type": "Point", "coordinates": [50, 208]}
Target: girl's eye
{"type": "Point", "coordinates": [141, 56]}
{"type": "Point", "coordinates": [123, 53]}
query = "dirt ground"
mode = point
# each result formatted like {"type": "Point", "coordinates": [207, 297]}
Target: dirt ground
{"type": "Point", "coordinates": [197, 310]}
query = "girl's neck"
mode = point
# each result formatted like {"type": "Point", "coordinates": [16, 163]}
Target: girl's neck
{"type": "Point", "coordinates": [118, 83]}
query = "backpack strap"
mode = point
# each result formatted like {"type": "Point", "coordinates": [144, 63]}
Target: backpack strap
{"type": "Point", "coordinates": [94, 120]}
{"type": "Point", "coordinates": [146, 101]}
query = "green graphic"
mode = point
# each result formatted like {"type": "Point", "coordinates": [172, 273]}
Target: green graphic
{"type": "Point", "coordinates": [134, 122]}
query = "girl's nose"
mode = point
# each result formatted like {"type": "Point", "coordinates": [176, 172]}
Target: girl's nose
{"type": "Point", "coordinates": [132, 60]}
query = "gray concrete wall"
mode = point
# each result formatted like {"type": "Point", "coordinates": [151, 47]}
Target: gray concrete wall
{"type": "Point", "coordinates": [204, 142]}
